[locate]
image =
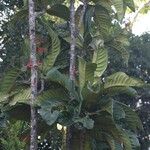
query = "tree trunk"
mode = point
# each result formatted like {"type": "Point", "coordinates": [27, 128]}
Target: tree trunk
{"type": "Point", "coordinates": [74, 30]}
{"type": "Point", "coordinates": [33, 125]}
{"type": "Point", "coordinates": [72, 61]}
{"type": "Point", "coordinates": [73, 41]}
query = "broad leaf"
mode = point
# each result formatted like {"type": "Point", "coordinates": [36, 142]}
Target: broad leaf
{"type": "Point", "coordinates": [64, 80]}
{"type": "Point", "coordinates": [100, 58]}
{"type": "Point", "coordinates": [55, 49]}
{"type": "Point", "coordinates": [86, 72]}
{"type": "Point", "coordinates": [49, 111]}
{"type": "Point", "coordinates": [131, 117]}
{"type": "Point", "coordinates": [8, 82]}
{"type": "Point", "coordinates": [121, 49]}
{"type": "Point", "coordinates": [118, 112]}
{"type": "Point", "coordinates": [119, 8]}
{"type": "Point", "coordinates": [121, 90]}
{"type": "Point", "coordinates": [103, 21]}
{"type": "Point", "coordinates": [49, 116]}
{"type": "Point", "coordinates": [130, 4]}
{"type": "Point", "coordinates": [60, 11]}
{"type": "Point", "coordinates": [23, 96]}
{"type": "Point", "coordinates": [57, 95]}
{"type": "Point", "coordinates": [122, 79]}
{"type": "Point", "coordinates": [87, 122]}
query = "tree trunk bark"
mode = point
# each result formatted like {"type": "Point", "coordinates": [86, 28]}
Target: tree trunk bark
{"type": "Point", "coordinates": [72, 61]}
{"type": "Point", "coordinates": [73, 41]}
{"type": "Point", "coordinates": [33, 123]}
{"type": "Point", "coordinates": [74, 31]}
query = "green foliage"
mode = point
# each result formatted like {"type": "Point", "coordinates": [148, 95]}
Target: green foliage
{"type": "Point", "coordinates": [119, 6]}
{"type": "Point", "coordinates": [60, 11]}
{"type": "Point", "coordinates": [55, 48]}
{"type": "Point", "coordinates": [89, 104]}
{"type": "Point", "coordinates": [100, 58]}
{"type": "Point", "coordinates": [10, 137]}
{"type": "Point", "coordinates": [9, 80]}
{"type": "Point", "coordinates": [121, 79]}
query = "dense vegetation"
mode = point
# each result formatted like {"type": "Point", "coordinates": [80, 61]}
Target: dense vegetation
{"type": "Point", "coordinates": [94, 106]}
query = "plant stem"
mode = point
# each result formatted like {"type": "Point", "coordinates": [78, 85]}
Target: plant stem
{"type": "Point", "coordinates": [33, 124]}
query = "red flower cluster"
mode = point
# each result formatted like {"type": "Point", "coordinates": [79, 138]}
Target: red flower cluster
{"type": "Point", "coordinates": [40, 50]}
{"type": "Point", "coordinates": [29, 64]}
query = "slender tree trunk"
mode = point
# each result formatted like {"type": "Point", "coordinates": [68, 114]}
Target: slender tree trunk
{"type": "Point", "coordinates": [72, 60]}
{"type": "Point", "coordinates": [33, 134]}
{"type": "Point", "coordinates": [74, 30]}
{"type": "Point", "coordinates": [73, 41]}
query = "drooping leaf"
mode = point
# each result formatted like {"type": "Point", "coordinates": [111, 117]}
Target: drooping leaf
{"type": "Point", "coordinates": [88, 20]}
{"type": "Point", "coordinates": [23, 96]}
{"type": "Point", "coordinates": [57, 95]}
{"type": "Point", "coordinates": [110, 140]}
{"type": "Point", "coordinates": [121, 49]}
{"type": "Point", "coordinates": [55, 49]}
{"type": "Point", "coordinates": [49, 111]}
{"type": "Point", "coordinates": [134, 140]}
{"type": "Point", "coordinates": [106, 105]}
{"type": "Point", "coordinates": [100, 58]}
{"type": "Point", "coordinates": [118, 112]}
{"type": "Point", "coordinates": [64, 80]}
{"type": "Point", "coordinates": [87, 122]}
{"type": "Point", "coordinates": [9, 79]}
{"type": "Point", "coordinates": [121, 90]}
{"type": "Point", "coordinates": [60, 11]}
{"type": "Point", "coordinates": [105, 3]}
{"type": "Point", "coordinates": [103, 21]}
{"type": "Point", "coordinates": [126, 140]}
{"type": "Point", "coordinates": [86, 72]}
{"type": "Point", "coordinates": [121, 79]}
{"type": "Point", "coordinates": [48, 116]}
{"type": "Point", "coordinates": [130, 4]}
{"type": "Point", "coordinates": [119, 6]}
{"type": "Point", "coordinates": [131, 117]}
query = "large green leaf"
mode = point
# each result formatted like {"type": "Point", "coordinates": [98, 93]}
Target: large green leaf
{"type": "Point", "coordinates": [86, 121]}
{"type": "Point", "coordinates": [110, 140]}
{"type": "Point", "coordinates": [86, 72]}
{"type": "Point", "coordinates": [49, 116]}
{"type": "Point", "coordinates": [55, 49]}
{"type": "Point", "coordinates": [60, 11]}
{"type": "Point", "coordinates": [130, 4]}
{"type": "Point", "coordinates": [64, 80]}
{"type": "Point", "coordinates": [134, 140]}
{"type": "Point", "coordinates": [121, 90]}
{"type": "Point", "coordinates": [122, 79]}
{"type": "Point", "coordinates": [119, 6]}
{"type": "Point", "coordinates": [100, 58]}
{"type": "Point", "coordinates": [131, 117]}
{"type": "Point", "coordinates": [56, 95]}
{"type": "Point", "coordinates": [23, 96]}
{"type": "Point", "coordinates": [121, 49]}
{"type": "Point", "coordinates": [118, 112]}
{"type": "Point", "coordinates": [126, 140]}
{"type": "Point", "coordinates": [102, 21]}
{"type": "Point", "coordinates": [49, 110]}
{"type": "Point", "coordinates": [9, 79]}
